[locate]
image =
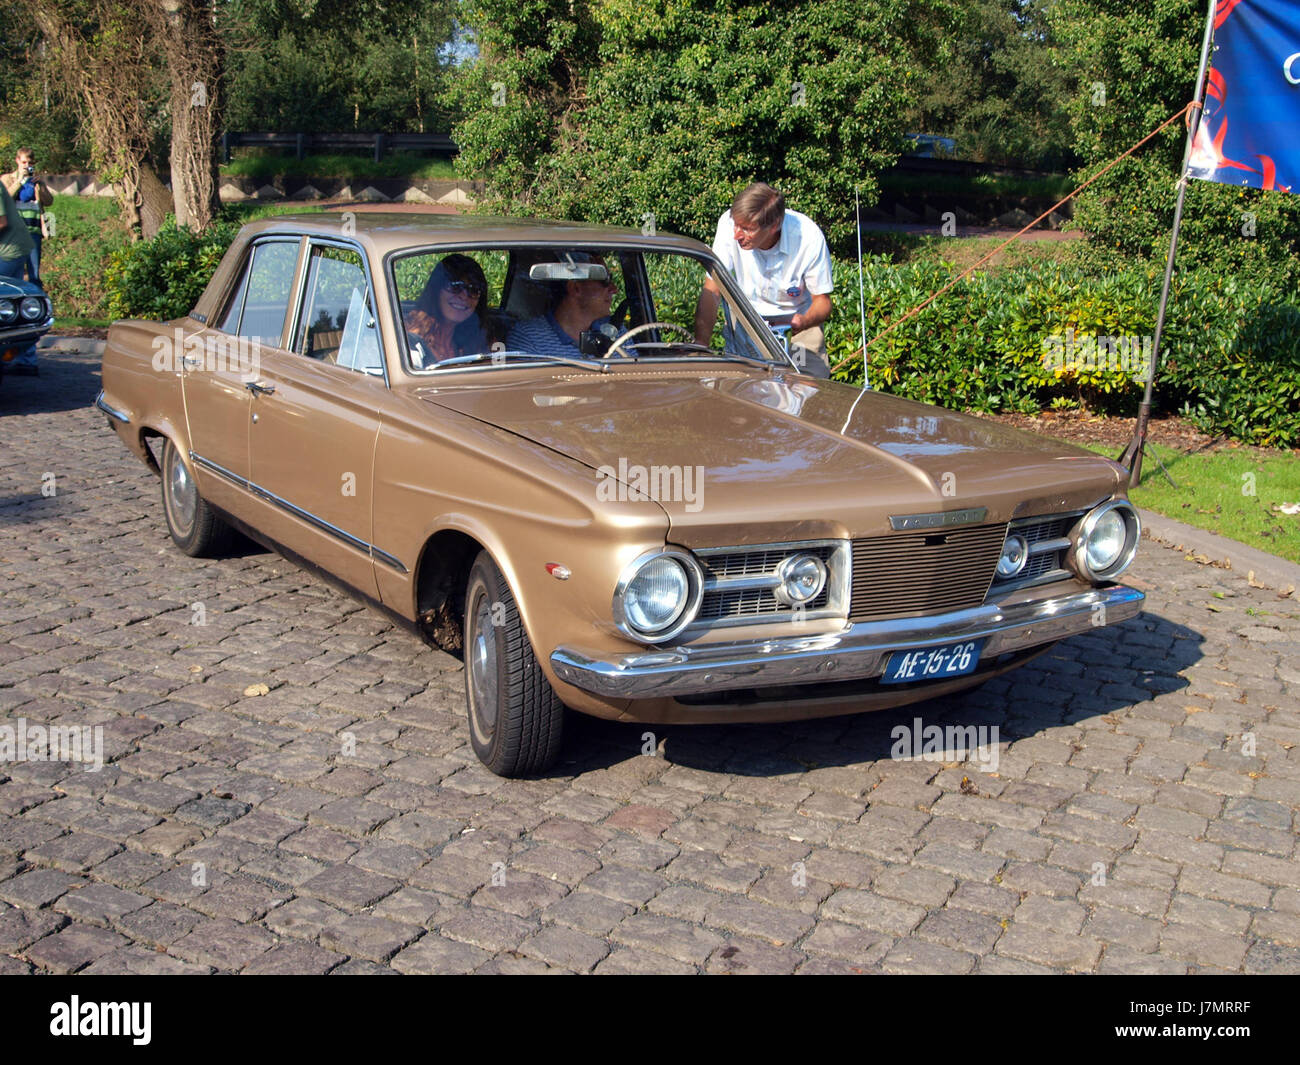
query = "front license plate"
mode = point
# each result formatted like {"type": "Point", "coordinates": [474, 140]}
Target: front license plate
{"type": "Point", "coordinates": [933, 663]}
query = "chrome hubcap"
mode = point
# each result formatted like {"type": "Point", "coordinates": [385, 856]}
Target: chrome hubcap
{"type": "Point", "coordinates": [183, 495]}
{"type": "Point", "coordinates": [483, 668]}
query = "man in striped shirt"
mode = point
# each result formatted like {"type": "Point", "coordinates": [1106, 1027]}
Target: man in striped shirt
{"type": "Point", "coordinates": [583, 305]}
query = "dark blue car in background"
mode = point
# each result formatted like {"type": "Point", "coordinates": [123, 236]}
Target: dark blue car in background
{"type": "Point", "coordinates": [26, 315]}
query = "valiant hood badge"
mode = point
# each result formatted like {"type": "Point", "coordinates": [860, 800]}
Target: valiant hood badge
{"type": "Point", "coordinates": [900, 522]}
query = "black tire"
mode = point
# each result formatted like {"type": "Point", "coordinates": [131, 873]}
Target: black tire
{"type": "Point", "coordinates": [195, 527]}
{"type": "Point", "coordinates": [516, 722]}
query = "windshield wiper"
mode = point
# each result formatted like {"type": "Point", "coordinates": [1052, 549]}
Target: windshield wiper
{"type": "Point", "coordinates": [500, 356]}
{"type": "Point", "coordinates": [720, 353]}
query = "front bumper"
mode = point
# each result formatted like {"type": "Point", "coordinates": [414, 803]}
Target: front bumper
{"type": "Point", "coordinates": [857, 653]}
{"type": "Point", "coordinates": [22, 335]}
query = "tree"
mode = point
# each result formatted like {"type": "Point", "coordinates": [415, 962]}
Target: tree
{"type": "Point", "coordinates": [108, 56]}
{"type": "Point", "coordinates": [314, 65]}
{"type": "Point", "coordinates": [639, 113]}
{"type": "Point", "coordinates": [1002, 93]}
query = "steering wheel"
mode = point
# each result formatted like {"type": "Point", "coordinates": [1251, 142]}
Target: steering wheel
{"type": "Point", "coordinates": [619, 314]}
{"type": "Point", "coordinates": [645, 328]}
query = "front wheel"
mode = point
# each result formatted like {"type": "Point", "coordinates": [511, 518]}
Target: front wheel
{"type": "Point", "coordinates": [194, 525]}
{"type": "Point", "coordinates": [515, 719]}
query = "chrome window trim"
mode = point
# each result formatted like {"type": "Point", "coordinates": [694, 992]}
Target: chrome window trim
{"type": "Point", "coordinates": [714, 267]}
{"type": "Point", "coordinates": [372, 302]}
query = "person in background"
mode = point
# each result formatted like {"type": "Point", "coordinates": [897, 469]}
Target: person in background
{"type": "Point", "coordinates": [32, 197]}
{"type": "Point", "coordinates": [449, 317]}
{"type": "Point", "coordinates": [783, 265]}
{"type": "Point", "coordinates": [15, 251]}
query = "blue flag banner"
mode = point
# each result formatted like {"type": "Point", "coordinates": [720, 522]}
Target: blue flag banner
{"type": "Point", "coordinates": [1250, 134]}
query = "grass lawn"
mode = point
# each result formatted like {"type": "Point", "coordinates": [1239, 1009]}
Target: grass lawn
{"type": "Point", "coordinates": [395, 165]}
{"type": "Point", "coordinates": [87, 230]}
{"type": "Point", "coordinates": [1231, 491]}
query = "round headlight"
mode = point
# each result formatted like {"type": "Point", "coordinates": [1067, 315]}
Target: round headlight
{"type": "Point", "coordinates": [658, 596]}
{"type": "Point", "coordinates": [31, 308]}
{"type": "Point", "coordinates": [8, 311]}
{"type": "Point", "coordinates": [802, 579]}
{"type": "Point", "coordinates": [1106, 540]}
{"type": "Point", "coordinates": [1015, 553]}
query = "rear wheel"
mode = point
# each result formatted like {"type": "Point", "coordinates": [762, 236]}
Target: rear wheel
{"type": "Point", "coordinates": [515, 719]}
{"type": "Point", "coordinates": [195, 526]}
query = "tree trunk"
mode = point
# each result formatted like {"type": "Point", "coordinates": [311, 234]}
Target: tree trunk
{"type": "Point", "coordinates": [186, 31]}
{"type": "Point", "coordinates": [155, 202]}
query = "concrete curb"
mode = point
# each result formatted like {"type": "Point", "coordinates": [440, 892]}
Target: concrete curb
{"type": "Point", "coordinates": [1267, 570]}
{"type": "Point", "coordinates": [74, 345]}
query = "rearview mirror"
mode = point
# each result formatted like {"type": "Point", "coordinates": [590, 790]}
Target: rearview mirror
{"type": "Point", "coordinates": [567, 272]}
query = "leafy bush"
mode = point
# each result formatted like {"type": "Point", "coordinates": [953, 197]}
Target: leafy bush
{"type": "Point", "coordinates": [87, 232]}
{"type": "Point", "coordinates": [163, 278]}
{"type": "Point", "coordinates": [1054, 335]}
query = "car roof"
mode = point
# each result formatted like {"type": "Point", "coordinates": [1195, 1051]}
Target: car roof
{"type": "Point", "coordinates": [389, 231]}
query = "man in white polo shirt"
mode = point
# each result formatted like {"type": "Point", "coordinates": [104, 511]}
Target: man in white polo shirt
{"type": "Point", "coordinates": [781, 261]}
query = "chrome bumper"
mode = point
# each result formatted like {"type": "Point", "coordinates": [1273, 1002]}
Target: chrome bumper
{"type": "Point", "coordinates": [859, 652]}
{"type": "Point", "coordinates": [110, 410]}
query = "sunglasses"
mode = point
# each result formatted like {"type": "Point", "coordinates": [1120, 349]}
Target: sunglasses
{"type": "Point", "coordinates": [470, 288]}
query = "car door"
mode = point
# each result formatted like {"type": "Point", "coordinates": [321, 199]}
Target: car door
{"type": "Point", "coordinates": [316, 415]}
{"type": "Point", "coordinates": [219, 362]}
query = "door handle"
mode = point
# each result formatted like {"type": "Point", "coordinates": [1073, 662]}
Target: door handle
{"type": "Point", "coordinates": [259, 389]}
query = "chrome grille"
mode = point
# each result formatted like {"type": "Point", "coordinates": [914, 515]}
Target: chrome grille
{"type": "Point", "coordinates": [913, 574]}
{"type": "Point", "coordinates": [741, 568]}
{"type": "Point", "coordinates": [747, 563]}
{"type": "Point", "coordinates": [1047, 539]}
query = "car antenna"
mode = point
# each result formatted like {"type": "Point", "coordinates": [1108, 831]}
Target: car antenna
{"type": "Point", "coordinates": [862, 310]}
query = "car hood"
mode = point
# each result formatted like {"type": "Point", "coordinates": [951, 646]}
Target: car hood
{"type": "Point", "coordinates": [724, 453]}
{"type": "Point", "coordinates": [13, 289]}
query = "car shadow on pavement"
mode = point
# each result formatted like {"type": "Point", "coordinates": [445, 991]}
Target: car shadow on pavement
{"type": "Point", "coordinates": [67, 381]}
{"type": "Point", "coordinates": [1118, 668]}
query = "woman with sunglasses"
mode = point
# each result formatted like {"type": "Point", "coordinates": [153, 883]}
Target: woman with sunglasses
{"type": "Point", "coordinates": [449, 317]}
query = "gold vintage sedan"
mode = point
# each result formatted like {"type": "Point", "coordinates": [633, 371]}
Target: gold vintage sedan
{"type": "Point", "coordinates": [505, 434]}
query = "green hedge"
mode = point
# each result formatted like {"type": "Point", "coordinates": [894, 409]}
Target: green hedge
{"type": "Point", "coordinates": [1027, 338]}
{"type": "Point", "coordinates": [164, 277]}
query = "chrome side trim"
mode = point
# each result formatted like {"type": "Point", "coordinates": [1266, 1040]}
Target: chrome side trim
{"type": "Point", "coordinates": [111, 411]}
{"type": "Point", "coordinates": [858, 652]}
{"type": "Point", "coordinates": [391, 561]}
{"type": "Point", "coordinates": [324, 526]}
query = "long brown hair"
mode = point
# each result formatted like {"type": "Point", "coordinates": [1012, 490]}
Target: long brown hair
{"type": "Point", "coordinates": [471, 334]}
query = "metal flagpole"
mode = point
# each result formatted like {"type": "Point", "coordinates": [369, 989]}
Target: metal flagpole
{"type": "Point", "coordinates": [862, 308]}
{"type": "Point", "coordinates": [1133, 453]}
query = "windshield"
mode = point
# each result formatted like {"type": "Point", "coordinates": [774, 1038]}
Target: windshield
{"type": "Point", "coordinates": [484, 307]}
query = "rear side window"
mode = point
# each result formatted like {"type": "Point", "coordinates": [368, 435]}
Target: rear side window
{"type": "Point", "coordinates": [262, 298]}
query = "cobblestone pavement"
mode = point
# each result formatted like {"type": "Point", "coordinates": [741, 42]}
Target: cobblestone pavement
{"type": "Point", "coordinates": [1142, 817]}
